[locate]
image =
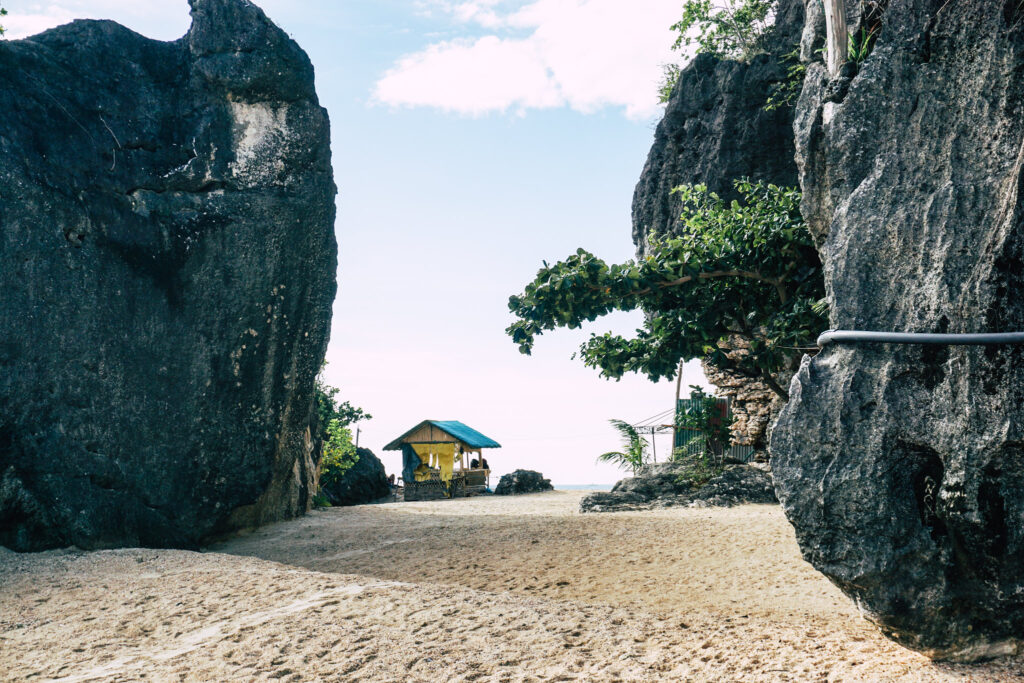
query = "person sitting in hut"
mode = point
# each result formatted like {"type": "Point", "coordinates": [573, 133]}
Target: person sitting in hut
{"type": "Point", "coordinates": [474, 464]}
{"type": "Point", "coordinates": [484, 465]}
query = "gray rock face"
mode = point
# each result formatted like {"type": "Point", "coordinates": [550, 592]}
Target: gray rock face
{"type": "Point", "coordinates": [365, 482]}
{"type": "Point", "coordinates": [166, 235]}
{"type": "Point", "coordinates": [715, 130]}
{"type": "Point", "coordinates": [902, 467]}
{"type": "Point", "coordinates": [522, 481]}
{"type": "Point", "coordinates": [658, 486]}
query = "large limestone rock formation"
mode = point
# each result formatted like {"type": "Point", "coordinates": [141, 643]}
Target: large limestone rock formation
{"type": "Point", "coordinates": [715, 131]}
{"type": "Point", "coordinates": [902, 467]}
{"type": "Point", "coordinates": [166, 235]}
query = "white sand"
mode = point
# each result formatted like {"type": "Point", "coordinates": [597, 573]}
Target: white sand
{"type": "Point", "coordinates": [505, 589]}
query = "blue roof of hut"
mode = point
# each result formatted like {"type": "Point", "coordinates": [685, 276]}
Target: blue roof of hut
{"type": "Point", "coordinates": [454, 429]}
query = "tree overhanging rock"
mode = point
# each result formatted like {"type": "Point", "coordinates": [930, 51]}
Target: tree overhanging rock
{"type": "Point", "coordinates": [716, 130]}
{"type": "Point", "coordinates": [902, 467]}
{"type": "Point", "coordinates": [169, 266]}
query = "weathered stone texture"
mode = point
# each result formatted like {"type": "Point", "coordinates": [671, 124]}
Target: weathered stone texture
{"type": "Point", "coordinates": [902, 467]}
{"type": "Point", "coordinates": [522, 481]}
{"type": "Point", "coordinates": [168, 260]}
{"type": "Point", "coordinates": [715, 130]}
{"type": "Point", "coordinates": [754, 405]}
{"type": "Point", "coordinates": [660, 485]}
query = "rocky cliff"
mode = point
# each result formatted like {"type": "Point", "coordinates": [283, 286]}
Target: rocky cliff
{"type": "Point", "coordinates": [902, 467]}
{"type": "Point", "coordinates": [166, 232]}
{"type": "Point", "coordinates": [716, 130]}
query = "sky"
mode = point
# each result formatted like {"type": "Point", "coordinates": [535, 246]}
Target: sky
{"type": "Point", "coordinates": [471, 140]}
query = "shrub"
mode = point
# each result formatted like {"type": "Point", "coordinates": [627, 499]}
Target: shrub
{"type": "Point", "coordinates": [728, 29]}
{"type": "Point", "coordinates": [699, 468]}
{"type": "Point", "coordinates": [339, 454]}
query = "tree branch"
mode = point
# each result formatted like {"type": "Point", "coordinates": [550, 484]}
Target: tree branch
{"type": "Point", "coordinates": [773, 385]}
{"type": "Point", "coordinates": [710, 275]}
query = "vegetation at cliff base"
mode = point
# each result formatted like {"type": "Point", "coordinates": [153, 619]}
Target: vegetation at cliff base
{"type": "Point", "coordinates": [743, 270]}
{"type": "Point", "coordinates": [334, 418]}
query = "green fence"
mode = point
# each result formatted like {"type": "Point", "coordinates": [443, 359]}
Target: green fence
{"type": "Point", "coordinates": [688, 438]}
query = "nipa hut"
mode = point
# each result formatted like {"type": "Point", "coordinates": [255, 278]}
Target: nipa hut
{"type": "Point", "coordinates": [443, 459]}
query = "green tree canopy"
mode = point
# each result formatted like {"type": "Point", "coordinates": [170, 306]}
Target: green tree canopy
{"type": "Point", "coordinates": [745, 269]}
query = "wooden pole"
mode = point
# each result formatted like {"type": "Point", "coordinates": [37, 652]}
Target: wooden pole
{"type": "Point", "coordinates": [836, 35]}
{"type": "Point", "coordinates": [675, 409]}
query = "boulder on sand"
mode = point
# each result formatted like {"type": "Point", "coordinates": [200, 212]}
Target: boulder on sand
{"type": "Point", "coordinates": [364, 482]}
{"type": "Point", "coordinates": [522, 481]}
{"type": "Point", "coordinates": [662, 485]}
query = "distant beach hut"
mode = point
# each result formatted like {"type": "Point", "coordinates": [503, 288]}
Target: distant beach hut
{"type": "Point", "coordinates": [438, 460]}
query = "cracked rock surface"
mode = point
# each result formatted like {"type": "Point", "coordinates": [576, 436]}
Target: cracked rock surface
{"type": "Point", "coordinates": [166, 235]}
{"type": "Point", "coordinates": [902, 467]}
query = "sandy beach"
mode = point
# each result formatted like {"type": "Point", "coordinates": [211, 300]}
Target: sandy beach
{"type": "Point", "coordinates": [503, 589]}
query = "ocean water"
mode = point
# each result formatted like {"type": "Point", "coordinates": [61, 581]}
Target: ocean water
{"type": "Point", "coordinates": [583, 487]}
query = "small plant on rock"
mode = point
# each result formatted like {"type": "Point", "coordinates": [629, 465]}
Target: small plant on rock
{"type": "Point", "coordinates": [729, 29]}
{"type": "Point", "coordinates": [698, 468]}
{"type": "Point", "coordinates": [784, 93]}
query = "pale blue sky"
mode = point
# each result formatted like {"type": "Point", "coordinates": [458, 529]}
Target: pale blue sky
{"type": "Point", "coordinates": [471, 140]}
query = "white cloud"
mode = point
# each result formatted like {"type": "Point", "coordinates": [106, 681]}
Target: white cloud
{"type": "Point", "coordinates": [584, 54]}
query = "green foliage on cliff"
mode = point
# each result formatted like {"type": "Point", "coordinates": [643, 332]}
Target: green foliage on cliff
{"type": "Point", "coordinates": [785, 92]}
{"type": "Point", "coordinates": [634, 453]}
{"type": "Point", "coordinates": [728, 29]}
{"type": "Point", "coordinates": [3, 13]}
{"type": "Point", "coordinates": [745, 269]}
{"type": "Point", "coordinates": [329, 408]}
{"type": "Point", "coordinates": [670, 76]}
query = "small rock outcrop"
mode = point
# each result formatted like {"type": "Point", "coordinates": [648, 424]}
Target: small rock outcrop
{"type": "Point", "coordinates": [364, 482]}
{"type": "Point", "coordinates": [166, 232]}
{"type": "Point", "coordinates": [659, 486]}
{"type": "Point", "coordinates": [522, 481]}
{"type": "Point", "coordinates": [902, 467]}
